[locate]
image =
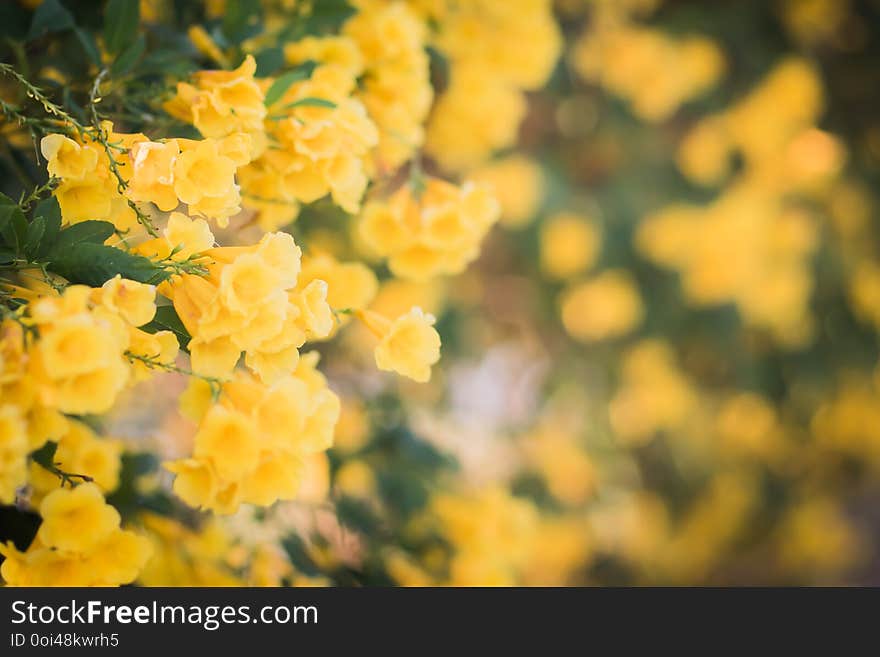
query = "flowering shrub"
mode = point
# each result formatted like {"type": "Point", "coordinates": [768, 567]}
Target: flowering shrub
{"type": "Point", "coordinates": [235, 233]}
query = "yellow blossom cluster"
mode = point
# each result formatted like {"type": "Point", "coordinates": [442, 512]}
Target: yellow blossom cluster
{"type": "Point", "coordinates": [654, 72]}
{"type": "Point", "coordinates": [570, 244]}
{"type": "Point", "coordinates": [653, 395]}
{"type": "Point", "coordinates": [408, 345]}
{"type": "Point", "coordinates": [80, 451]}
{"type": "Point", "coordinates": [250, 445]}
{"type": "Point", "coordinates": [78, 543]}
{"type": "Point", "coordinates": [492, 533]}
{"type": "Point", "coordinates": [310, 141]}
{"type": "Point", "coordinates": [102, 177]}
{"type": "Point", "coordinates": [70, 353]}
{"type": "Point", "coordinates": [517, 182]}
{"type": "Point", "coordinates": [496, 51]}
{"type": "Point", "coordinates": [432, 231]}
{"type": "Point", "coordinates": [383, 44]}
{"type": "Point", "coordinates": [249, 302]}
{"type": "Point", "coordinates": [605, 306]}
{"type": "Point", "coordinates": [752, 244]}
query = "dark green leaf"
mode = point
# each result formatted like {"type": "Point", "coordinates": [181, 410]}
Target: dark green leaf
{"type": "Point", "coordinates": [45, 456]}
{"type": "Point", "coordinates": [357, 515]}
{"type": "Point", "coordinates": [269, 61]}
{"type": "Point", "coordinates": [121, 18]}
{"type": "Point", "coordinates": [283, 82]}
{"type": "Point", "coordinates": [89, 45]}
{"type": "Point", "coordinates": [14, 21]}
{"type": "Point", "coordinates": [91, 232]}
{"type": "Point", "coordinates": [241, 20]}
{"type": "Point", "coordinates": [166, 319]}
{"type": "Point", "coordinates": [94, 264]}
{"type": "Point", "coordinates": [312, 102]}
{"type": "Point", "coordinates": [7, 257]}
{"type": "Point", "coordinates": [35, 231]}
{"type": "Point", "coordinates": [327, 16]}
{"type": "Point", "coordinates": [50, 16]}
{"type": "Point", "coordinates": [50, 211]}
{"type": "Point", "coordinates": [299, 556]}
{"type": "Point", "coordinates": [129, 57]}
{"type": "Point", "coordinates": [13, 225]}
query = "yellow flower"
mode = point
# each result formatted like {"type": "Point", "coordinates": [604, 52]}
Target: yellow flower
{"type": "Point", "coordinates": [67, 159]}
{"type": "Point", "coordinates": [519, 43]}
{"type": "Point", "coordinates": [206, 45]}
{"type": "Point", "coordinates": [606, 306]}
{"type": "Point", "coordinates": [13, 452]}
{"type": "Point", "coordinates": [195, 482]}
{"type": "Point", "coordinates": [250, 303]}
{"type": "Point", "coordinates": [409, 345]}
{"type": "Point", "coordinates": [397, 89]}
{"type": "Point", "coordinates": [82, 200]}
{"type": "Point", "coordinates": [349, 284]}
{"type": "Point", "coordinates": [518, 184]}
{"type": "Point", "coordinates": [81, 451]}
{"type": "Point", "coordinates": [152, 177]}
{"type": "Point", "coordinates": [133, 301]}
{"type": "Point", "coordinates": [654, 394]}
{"type": "Point", "coordinates": [227, 440]}
{"type": "Point", "coordinates": [436, 232]}
{"type": "Point", "coordinates": [654, 72]}
{"type": "Point", "coordinates": [76, 520]}
{"type": "Point", "coordinates": [477, 115]}
{"type": "Point", "coordinates": [569, 244]}
{"type": "Point", "coordinates": [204, 179]}
{"type": "Point", "coordinates": [78, 361]}
{"type": "Point", "coordinates": [253, 443]}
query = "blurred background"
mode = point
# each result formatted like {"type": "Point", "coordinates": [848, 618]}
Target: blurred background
{"type": "Point", "coordinates": [662, 370]}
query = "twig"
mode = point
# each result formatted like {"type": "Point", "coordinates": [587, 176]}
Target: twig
{"type": "Point", "coordinates": [102, 138]}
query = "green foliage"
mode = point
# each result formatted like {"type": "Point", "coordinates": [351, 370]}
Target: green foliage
{"type": "Point", "coordinates": [242, 20]}
{"type": "Point", "coordinates": [50, 16]}
{"type": "Point", "coordinates": [298, 554]}
{"type": "Point", "coordinates": [326, 16]}
{"type": "Point", "coordinates": [284, 82]}
{"type": "Point", "coordinates": [94, 264]}
{"type": "Point", "coordinates": [121, 18]}
{"type": "Point", "coordinates": [45, 456]}
{"type": "Point", "coordinates": [77, 252]}
{"type": "Point", "coordinates": [166, 319]}
{"type": "Point", "coordinates": [129, 57]}
{"type": "Point", "coordinates": [13, 225]}
{"type": "Point", "coordinates": [128, 499]}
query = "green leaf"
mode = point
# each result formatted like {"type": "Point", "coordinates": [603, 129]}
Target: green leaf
{"type": "Point", "coordinates": [327, 16]}
{"type": "Point", "coordinates": [89, 45]}
{"type": "Point", "coordinates": [121, 18]}
{"type": "Point", "coordinates": [312, 102]}
{"type": "Point", "coordinates": [45, 456]}
{"type": "Point", "coordinates": [50, 212]}
{"type": "Point", "coordinates": [357, 515]}
{"type": "Point", "coordinates": [13, 225]}
{"type": "Point", "coordinates": [269, 61]}
{"type": "Point", "coordinates": [166, 319]}
{"type": "Point", "coordinates": [35, 231]}
{"type": "Point", "coordinates": [90, 232]}
{"type": "Point", "coordinates": [14, 21]}
{"type": "Point", "coordinates": [94, 264]}
{"type": "Point", "coordinates": [299, 556]}
{"type": "Point", "coordinates": [241, 20]}
{"type": "Point", "coordinates": [129, 57]}
{"type": "Point", "coordinates": [50, 16]}
{"type": "Point", "coordinates": [283, 82]}
{"type": "Point", "coordinates": [7, 257]}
